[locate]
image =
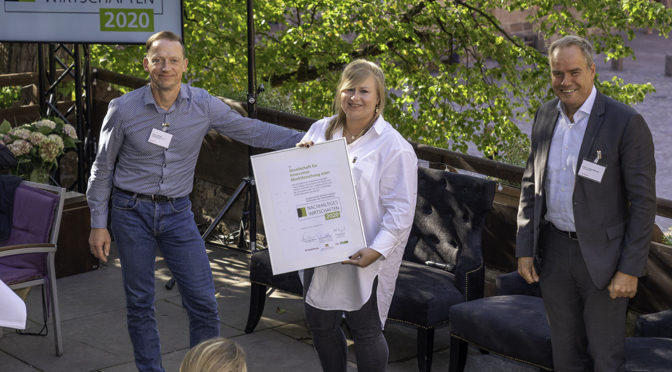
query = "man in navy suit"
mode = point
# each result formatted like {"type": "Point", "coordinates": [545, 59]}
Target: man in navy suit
{"type": "Point", "coordinates": [587, 209]}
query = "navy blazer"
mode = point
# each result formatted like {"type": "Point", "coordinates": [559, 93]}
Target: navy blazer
{"type": "Point", "coordinates": [7, 158]}
{"type": "Point", "coordinates": [614, 219]}
{"type": "Point", "coordinates": [8, 185]}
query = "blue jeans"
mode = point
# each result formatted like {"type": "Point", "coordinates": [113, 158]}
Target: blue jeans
{"type": "Point", "coordinates": [139, 226]}
{"type": "Point", "coordinates": [329, 341]}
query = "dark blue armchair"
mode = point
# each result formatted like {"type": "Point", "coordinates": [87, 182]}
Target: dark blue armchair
{"type": "Point", "coordinates": [513, 324]}
{"type": "Point", "coordinates": [449, 218]}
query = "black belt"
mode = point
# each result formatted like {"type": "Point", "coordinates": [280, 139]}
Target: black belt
{"type": "Point", "coordinates": [569, 234]}
{"type": "Point", "coordinates": [152, 198]}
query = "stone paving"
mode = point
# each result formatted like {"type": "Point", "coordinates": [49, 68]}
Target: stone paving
{"type": "Point", "coordinates": [93, 321]}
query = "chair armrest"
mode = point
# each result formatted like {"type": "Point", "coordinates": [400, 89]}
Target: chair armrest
{"type": "Point", "coordinates": [514, 284]}
{"type": "Point", "coordinates": [12, 250]}
{"type": "Point", "coordinates": [654, 325]}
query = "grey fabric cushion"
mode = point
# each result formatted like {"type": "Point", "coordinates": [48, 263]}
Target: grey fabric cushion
{"type": "Point", "coordinates": [513, 326]}
{"type": "Point", "coordinates": [423, 295]}
{"type": "Point", "coordinates": [655, 325]}
{"type": "Point", "coordinates": [648, 354]}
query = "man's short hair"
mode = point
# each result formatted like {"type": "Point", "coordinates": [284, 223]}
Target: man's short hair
{"type": "Point", "coordinates": [567, 41]}
{"type": "Point", "coordinates": [165, 35]}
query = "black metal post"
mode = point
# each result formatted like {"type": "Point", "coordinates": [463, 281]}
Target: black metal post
{"type": "Point", "coordinates": [251, 113]}
{"type": "Point", "coordinates": [52, 99]}
{"type": "Point", "coordinates": [89, 144]}
{"type": "Point", "coordinates": [42, 78]}
{"type": "Point", "coordinates": [79, 111]}
{"type": "Point", "coordinates": [80, 71]}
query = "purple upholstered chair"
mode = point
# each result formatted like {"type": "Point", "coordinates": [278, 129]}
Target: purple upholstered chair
{"type": "Point", "coordinates": [27, 257]}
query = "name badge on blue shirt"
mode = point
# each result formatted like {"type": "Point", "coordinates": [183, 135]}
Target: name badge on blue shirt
{"type": "Point", "coordinates": [160, 138]}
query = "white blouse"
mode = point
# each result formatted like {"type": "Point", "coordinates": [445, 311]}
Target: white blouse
{"type": "Point", "coordinates": [386, 179]}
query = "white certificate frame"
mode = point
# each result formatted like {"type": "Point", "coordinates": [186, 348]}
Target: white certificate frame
{"type": "Point", "coordinates": [309, 206]}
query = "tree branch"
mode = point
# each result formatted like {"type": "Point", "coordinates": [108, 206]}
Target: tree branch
{"type": "Point", "coordinates": [303, 74]}
{"type": "Point", "coordinates": [307, 74]}
{"type": "Point", "coordinates": [491, 20]}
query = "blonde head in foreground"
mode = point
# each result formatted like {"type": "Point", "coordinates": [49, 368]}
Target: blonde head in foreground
{"type": "Point", "coordinates": [215, 355]}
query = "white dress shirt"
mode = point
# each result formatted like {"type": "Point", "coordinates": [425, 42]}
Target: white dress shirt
{"type": "Point", "coordinates": [386, 179]}
{"type": "Point", "coordinates": [562, 164]}
{"type": "Point", "coordinates": [13, 309]}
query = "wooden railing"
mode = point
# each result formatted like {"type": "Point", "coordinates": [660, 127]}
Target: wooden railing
{"type": "Point", "coordinates": [503, 171]}
{"type": "Point", "coordinates": [499, 235]}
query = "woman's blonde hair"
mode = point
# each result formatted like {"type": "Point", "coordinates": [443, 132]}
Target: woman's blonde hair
{"type": "Point", "coordinates": [215, 355]}
{"type": "Point", "coordinates": [353, 75]}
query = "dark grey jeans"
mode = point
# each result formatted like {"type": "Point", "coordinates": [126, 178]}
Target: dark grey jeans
{"type": "Point", "coordinates": [581, 316]}
{"type": "Point", "coordinates": [329, 340]}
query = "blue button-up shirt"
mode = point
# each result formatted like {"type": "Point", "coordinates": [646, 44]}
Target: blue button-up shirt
{"type": "Point", "coordinates": [147, 168]}
{"type": "Point", "coordinates": [563, 158]}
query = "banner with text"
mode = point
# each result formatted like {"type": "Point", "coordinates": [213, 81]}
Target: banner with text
{"type": "Point", "coordinates": [88, 21]}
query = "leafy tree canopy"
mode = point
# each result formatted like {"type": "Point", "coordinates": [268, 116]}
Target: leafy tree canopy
{"type": "Point", "coordinates": [454, 75]}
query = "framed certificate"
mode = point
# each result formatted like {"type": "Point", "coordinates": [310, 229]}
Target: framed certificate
{"type": "Point", "coordinates": [309, 206]}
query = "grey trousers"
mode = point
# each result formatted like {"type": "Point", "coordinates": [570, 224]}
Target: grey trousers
{"type": "Point", "coordinates": [584, 320]}
{"type": "Point", "coordinates": [329, 340]}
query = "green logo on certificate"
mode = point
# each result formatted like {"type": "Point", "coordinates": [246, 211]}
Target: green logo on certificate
{"type": "Point", "coordinates": [301, 212]}
{"type": "Point", "coordinates": [332, 215]}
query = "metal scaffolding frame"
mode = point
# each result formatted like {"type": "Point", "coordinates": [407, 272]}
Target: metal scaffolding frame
{"type": "Point", "coordinates": [80, 71]}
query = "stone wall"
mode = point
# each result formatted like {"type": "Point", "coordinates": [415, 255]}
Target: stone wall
{"type": "Point", "coordinates": [207, 201]}
{"type": "Point", "coordinates": [515, 22]}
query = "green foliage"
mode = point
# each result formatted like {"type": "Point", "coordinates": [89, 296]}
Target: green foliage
{"type": "Point", "coordinates": [454, 76]}
{"type": "Point", "coordinates": [667, 237]}
{"type": "Point", "coordinates": [8, 95]}
{"type": "Point", "coordinates": [667, 240]}
{"type": "Point", "coordinates": [271, 98]}
{"type": "Point", "coordinates": [5, 127]}
{"type": "Point", "coordinates": [514, 152]}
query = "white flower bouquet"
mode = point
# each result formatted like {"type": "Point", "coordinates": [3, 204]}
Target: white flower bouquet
{"type": "Point", "coordinates": [37, 146]}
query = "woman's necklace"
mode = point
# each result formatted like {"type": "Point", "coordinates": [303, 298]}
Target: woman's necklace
{"type": "Point", "coordinates": [352, 136]}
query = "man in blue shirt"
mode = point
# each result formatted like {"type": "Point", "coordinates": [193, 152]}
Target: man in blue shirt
{"type": "Point", "coordinates": [156, 133]}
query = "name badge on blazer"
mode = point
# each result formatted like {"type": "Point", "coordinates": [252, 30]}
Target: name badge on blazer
{"type": "Point", "coordinates": [592, 170]}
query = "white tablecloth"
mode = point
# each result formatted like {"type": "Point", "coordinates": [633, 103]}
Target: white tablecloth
{"type": "Point", "coordinates": [12, 308]}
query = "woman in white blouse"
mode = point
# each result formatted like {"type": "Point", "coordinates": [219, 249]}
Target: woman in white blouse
{"type": "Point", "coordinates": [384, 167]}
